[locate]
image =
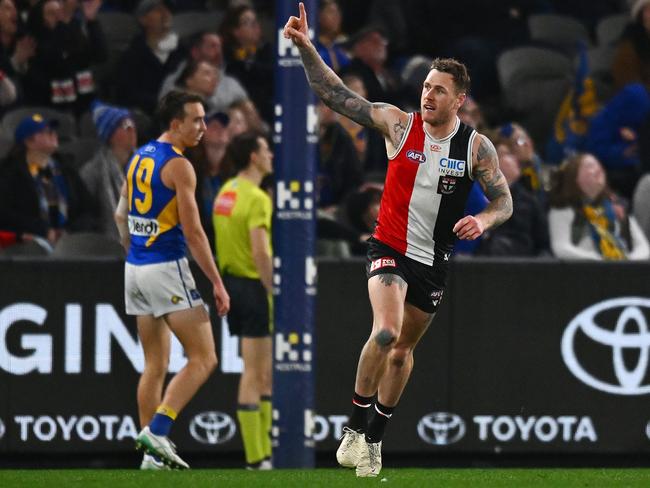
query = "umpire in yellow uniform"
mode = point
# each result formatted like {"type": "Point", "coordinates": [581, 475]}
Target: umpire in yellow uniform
{"type": "Point", "coordinates": [242, 224]}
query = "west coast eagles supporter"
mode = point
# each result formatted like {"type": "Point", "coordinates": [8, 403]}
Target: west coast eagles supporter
{"type": "Point", "coordinates": [157, 215]}
{"type": "Point", "coordinates": [433, 160]}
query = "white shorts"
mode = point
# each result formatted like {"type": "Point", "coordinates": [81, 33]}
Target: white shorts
{"type": "Point", "coordinates": [157, 289]}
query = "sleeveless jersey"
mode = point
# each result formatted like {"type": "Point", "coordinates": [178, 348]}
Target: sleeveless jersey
{"type": "Point", "coordinates": [156, 235]}
{"type": "Point", "coordinates": [427, 183]}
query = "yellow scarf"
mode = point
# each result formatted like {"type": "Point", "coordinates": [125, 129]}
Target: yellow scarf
{"type": "Point", "coordinates": [608, 245]}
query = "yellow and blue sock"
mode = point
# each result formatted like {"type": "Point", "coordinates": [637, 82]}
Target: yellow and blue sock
{"type": "Point", "coordinates": [162, 421]}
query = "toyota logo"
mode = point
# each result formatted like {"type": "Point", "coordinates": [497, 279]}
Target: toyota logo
{"type": "Point", "coordinates": [212, 428]}
{"type": "Point", "coordinates": [441, 428]}
{"type": "Point", "coordinates": [630, 332]}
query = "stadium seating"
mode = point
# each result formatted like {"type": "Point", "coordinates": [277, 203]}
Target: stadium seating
{"type": "Point", "coordinates": [558, 30]}
{"type": "Point", "coordinates": [610, 28]}
{"type": "Point", "coordinates": [534, 81]}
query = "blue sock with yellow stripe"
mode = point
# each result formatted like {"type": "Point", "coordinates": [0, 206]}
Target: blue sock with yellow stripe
{"type": "Point", "coordinates": [162, 421]}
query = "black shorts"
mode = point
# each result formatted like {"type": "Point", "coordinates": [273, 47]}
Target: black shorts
{"type": "Point", "coordinates": [249, 307]}
{"type": "Point", "coordinates": [426, 284]}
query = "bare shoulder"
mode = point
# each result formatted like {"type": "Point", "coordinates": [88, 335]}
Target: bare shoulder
{"type": "Point", "coordinates": [391, 121]}
{"type": "Point", "coordinates": [178, 172]}
{"type": "Point", "coordinates": [484, 154]}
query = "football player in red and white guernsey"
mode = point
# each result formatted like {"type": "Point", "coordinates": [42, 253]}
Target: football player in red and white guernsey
{"type": "Point", "coordinates": [433, 161]}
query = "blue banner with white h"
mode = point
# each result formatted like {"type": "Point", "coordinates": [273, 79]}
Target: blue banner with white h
{"type": "Point", "coordinates": [295, 137]}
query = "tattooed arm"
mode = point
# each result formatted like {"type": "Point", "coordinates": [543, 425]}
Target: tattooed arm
{"type": "Point", "coordinates": [386, 118]}
{"type": "Point", "coordinates": [485, 164]}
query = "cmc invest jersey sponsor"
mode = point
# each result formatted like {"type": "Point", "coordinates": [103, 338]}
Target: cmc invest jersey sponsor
{"type": "Point", "coordinates": [156, 234]}
{"type": "Point", "coordinates": [427, 184]}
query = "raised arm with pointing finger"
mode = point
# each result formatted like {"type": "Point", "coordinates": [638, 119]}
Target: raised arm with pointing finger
{"type": "Point", "coordinates": [386, 118]}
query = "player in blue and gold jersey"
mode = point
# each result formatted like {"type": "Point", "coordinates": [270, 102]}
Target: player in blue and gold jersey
{"type": "Point", "coordinates": [157, 217]}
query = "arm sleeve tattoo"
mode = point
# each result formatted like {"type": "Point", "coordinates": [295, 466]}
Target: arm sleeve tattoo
{"type": "Point", "coordinates": [331, 90]}
{"type": "Point", "coordinates": [494, 184]}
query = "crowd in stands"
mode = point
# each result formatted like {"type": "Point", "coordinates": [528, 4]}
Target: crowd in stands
{"type": "Point", "coordinates": [80, 80]}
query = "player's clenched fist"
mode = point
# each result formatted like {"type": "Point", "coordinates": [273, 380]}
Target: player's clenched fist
{"type": "Point", "coordinates": [296, 28]}
{"type": "Point", "coordinates": [469, 228]}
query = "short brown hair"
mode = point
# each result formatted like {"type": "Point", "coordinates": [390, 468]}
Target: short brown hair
{"type": "Point", "coordinates": [172, 106]}
{"type": "Point", "coordinates": [456, 69]}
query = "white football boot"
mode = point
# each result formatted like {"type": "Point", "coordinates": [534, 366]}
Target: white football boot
{"type": "Point", "coordinates": [150, 463]}
{"type": "Point", "coordinates": [370, 463]}
{"type": "Point", "coordinates": [161, 447]}
{"type": "Point", "coordinates": [351, 449]}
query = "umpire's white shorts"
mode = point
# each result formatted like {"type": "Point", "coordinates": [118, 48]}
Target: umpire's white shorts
{"type": "Point", "coordinates": [161, 288]}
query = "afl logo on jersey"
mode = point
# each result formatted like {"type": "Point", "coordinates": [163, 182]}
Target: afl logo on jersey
{"type": "Point", "coordinates": [416, 156]}
{"type": "Point", "coordinates": [452, 167]}
{"type": "Point", "coordinates": [150, 149]}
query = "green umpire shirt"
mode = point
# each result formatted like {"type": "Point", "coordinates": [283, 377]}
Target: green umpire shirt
{"type": "Point", "coordinates": [239, 207]}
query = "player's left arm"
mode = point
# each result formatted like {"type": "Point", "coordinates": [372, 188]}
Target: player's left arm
{"type": "Point", "coordinates": [485, 170]}
{"type": "Point", "coordinates": [121, 218]}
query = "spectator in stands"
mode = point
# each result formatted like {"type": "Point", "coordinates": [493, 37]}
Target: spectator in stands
{"type": "Point", "coordinates": [330, 38]}
{"type": "Point", "coordinates": [207, 46]}
{"type": "Point", "coordinates": [7, 91]}
{"type": "Point", "coordinates": [16, 48]}
{"type": "Point", "coordinates": [39, 194]}
{"type": "Point", "coordinates": [104, 173]}
{"type": "Point", "coordinates": [349, 226]}
{"type": "Point", "coordinates": [526, 232]}
{"type": "Point", "coordinates": [370, 146]}
{"type": "Point", "coordinates": [244, 117]}
{"type": "Point", "coordinates": [60, 74]}
{"type": "Point", "coordinates": [362, 209]}
{"type": "Point", "coordinates": [613, 136]}
{"type": "Point", "coordinates": [369, 49]}
{"type": "Point", "coordinates": [470, 113]}
{"type": "Point", "coordinates": [586, 219]}
{"type": "Point", "coordinates": [202, 78]}
{"type": "Point", "coordinates": [340, 170]}
{"type": "Point", "coordinates": [532, 167]}
{"type": "Point", "coordinates": [641, 203]}
{"type": "Point", "coordinates": [151, 56]}
{"type": "Point", "coordinates": [248, 58]}
{"type": "Point", "coordinates": [209, 166]}
{"type": "Point", "coordinates": [632, 59]}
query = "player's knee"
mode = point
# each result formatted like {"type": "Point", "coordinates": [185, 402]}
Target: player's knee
{"type": "Point", "coordinates": [211, 362]}
{"type": "Point", "coordinates": [385, 337]}
{"type": "Point", "coordinates": [266, 382]}
{"type": "Point", "coordinates": [157, 367]}
{"type": "Point", "coordinates": [203, 365]}
{"type": "Point", "coordinates": [399, 355]}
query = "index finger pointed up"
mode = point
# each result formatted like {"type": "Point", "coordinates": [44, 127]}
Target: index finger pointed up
{"type": "Point", "coordinates": [303, 14]}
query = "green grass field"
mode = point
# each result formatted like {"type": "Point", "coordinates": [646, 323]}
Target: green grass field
{"type": "Point", "coordinates": [421, 478]}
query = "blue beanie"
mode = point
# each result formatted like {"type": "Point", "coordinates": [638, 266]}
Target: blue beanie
{"type": "Point", "coordinates": [107, 118]}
